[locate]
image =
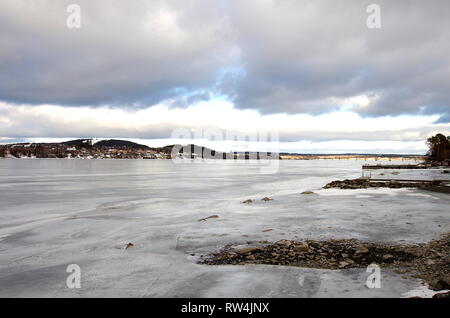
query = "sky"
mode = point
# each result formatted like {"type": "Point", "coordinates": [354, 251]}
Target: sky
{"type": "Point", "coordinates": [304, 76]}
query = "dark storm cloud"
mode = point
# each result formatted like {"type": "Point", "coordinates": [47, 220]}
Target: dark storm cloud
{"type": "Point", "coordinates": [299, 54]}
{"type": "Point", "coordinates": [274, 56]}
{"type": "Point", "coordinates": [137, 52]}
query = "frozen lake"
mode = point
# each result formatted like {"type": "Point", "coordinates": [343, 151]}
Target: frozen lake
{"type": "Point", "coordinates": [59, 212]}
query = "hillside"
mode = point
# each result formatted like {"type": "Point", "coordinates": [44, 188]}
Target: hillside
{"type": "Point", "coordinates": [119, 144]}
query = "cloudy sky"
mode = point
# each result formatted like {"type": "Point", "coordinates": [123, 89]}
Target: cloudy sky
{"type": "Point", "coordinates": [309, 72]}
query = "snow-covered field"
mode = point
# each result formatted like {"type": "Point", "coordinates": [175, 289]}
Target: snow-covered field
{"type": "Point", "coordinates": [59, 212]}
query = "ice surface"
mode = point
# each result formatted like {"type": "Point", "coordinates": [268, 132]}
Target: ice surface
{"type": "Point", "coordinates": [58, 212]}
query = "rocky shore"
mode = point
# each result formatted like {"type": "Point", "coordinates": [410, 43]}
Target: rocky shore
{"type": "Point", "coordinates": [364, 183]}
{"type": "Point", "coordinates": [390, 166]}
{"type": "Point", "coordinates": [429, 262]}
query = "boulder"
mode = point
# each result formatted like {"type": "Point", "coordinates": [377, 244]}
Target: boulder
{"type": "Point", "coordinates": [303, 247]}
{"type": "Point", "coordinates": [343, 264]}
{"type": "Point", "coordinates": [283, 243]}
{"type": "Point", "coordinates": [128, 245]}
{"type": "Point", "coordinates": [361, 250]}
{"type": "Point", "coordinates": [209, 217]}
{"type": "Point", "coordinates": [246, 250]}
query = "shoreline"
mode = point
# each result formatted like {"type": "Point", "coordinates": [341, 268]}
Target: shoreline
{"type": "Point", "coordinates": [430, 261]}
{"type": "Point", "coordinates": [426, 261]}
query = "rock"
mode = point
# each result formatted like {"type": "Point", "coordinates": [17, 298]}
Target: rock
{"type": "Point", "coordinates": [430, 262]}
{"type": "Point", "coordinates": [362, 183]}
{"type": "Point", "coordinates": [439, 254]}
{"type": "Point", "coordinates": [361, 250]}
{"type": "Point", "coordinates": [301, 247]}
{"type": "Point", "coordinates": [209, 217]}
{"type": "Point", "coordinates": [344, 255]}
{"type": "Point", "coordinates": [395, 173]}
{"type": "Point", "coordinates": [343, 264]}
{"type": "Point", "coordinates": [349, 184]}
{"type": "Point", "coordinates": [400, 271]}
{"type": "Point", "coordinates": [267, 230]}
{"type": "Point", "coordinates": [266, 199]}
{"type": "Point", "coordinates": [442, 295]}
{"type": "Point", "coordinates": [387, 256]}
{"type": "Point", "coordinates": [246, 250]}
{"type": "Point", "coordinates": [446, 171]}
{"type": "Point", "coordinates": [441, 284]}
{"type": "Point", "coordinates": [263, 242]}
{"type": "Point", "coordinates": [283, 243]}
{"type": "Point", "coordinates": [128, 245]}
{"type": "Point", "coordinates": [307, 192]}
{"type": "Point", "coordinates": [248, 201]}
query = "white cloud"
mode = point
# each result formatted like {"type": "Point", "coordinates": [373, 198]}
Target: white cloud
{"type": "Point", "coordinates": [337, 131]}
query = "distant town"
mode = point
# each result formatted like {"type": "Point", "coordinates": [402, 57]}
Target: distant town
{"type": "Point", "coordinates": [123, 149]}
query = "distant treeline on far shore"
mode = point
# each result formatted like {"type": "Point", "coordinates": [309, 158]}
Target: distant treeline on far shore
{"type": "Point", "coordinates": [123, 149]}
